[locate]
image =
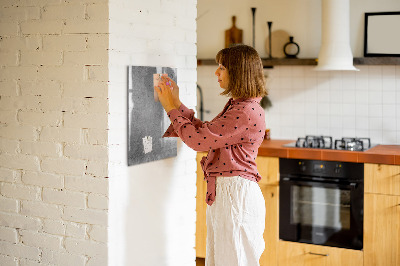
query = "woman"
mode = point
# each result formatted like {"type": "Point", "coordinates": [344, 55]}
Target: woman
{"type": "Point", "coordinates": [236, 211]}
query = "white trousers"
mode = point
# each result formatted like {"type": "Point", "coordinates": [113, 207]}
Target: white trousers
{"type": "Point", "coordinates": [235, 223]}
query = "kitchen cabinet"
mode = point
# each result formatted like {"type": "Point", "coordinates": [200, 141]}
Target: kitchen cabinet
{"type": "Point", "coordinates": [269, 170]}
{"type": "Point", "coordinates": [201, 205]}
{"type": "Point", "coordinates": [300, 254]}
{"type": "Point", "coordinates": [381, 230]}
{"type": "Point", "coordinates": [382, 215]}
{"type": "Point", "coordinates": [269, 185]}
{"type": "Point", "coordinates": [382, 179]}
{"type": "Point", "coordinates": [271, 232]}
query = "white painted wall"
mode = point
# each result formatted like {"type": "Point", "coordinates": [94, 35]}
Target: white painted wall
{"type": "Point", "coordinates": [152, 205]}
{"type": "Point", "coordinates": [53, 133]}
{"type": "Point", "coordinates": [341, 104]}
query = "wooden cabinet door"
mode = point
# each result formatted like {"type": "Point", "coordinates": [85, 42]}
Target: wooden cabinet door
{"type": "Point", "coordinates": [271, 232]}
{"type": "Point", "coordinates": [299, 254]}
{"type": "Point", "coordinates": [381, 230]}
{"type": "Point", "coordinates": [201, 205]}
{"type": "Point", "coordinates": [382, 179]}
{"type": "Point", "coordinates": [268, 168]}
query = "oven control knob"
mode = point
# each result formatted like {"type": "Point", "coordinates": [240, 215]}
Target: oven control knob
{"type": "Point", "coordinates": [302, 166]}
{"type": "Point", "coordinates": [338, 168]}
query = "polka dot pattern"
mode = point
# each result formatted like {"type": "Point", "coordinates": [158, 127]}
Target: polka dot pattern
{"type": "Point", "coordinates": [232, 139]}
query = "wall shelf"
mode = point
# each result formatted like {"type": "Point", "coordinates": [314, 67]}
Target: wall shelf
{"type": "Point", "coordinates": [377, 61]}
{"type": "Point", "coordinates": [269, 63]}
{"type": "Point", "coordinates": [288, 62]}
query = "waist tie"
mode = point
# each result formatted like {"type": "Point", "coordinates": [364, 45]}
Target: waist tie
{"type": "Point", "coordinates": [210, 196]}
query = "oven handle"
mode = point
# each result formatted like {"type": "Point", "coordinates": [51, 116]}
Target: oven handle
{"type": "Point", "coordinates": [310, 182]}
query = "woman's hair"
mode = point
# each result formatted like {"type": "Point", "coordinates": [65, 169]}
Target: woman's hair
{"type": "Point", "coordinates": [245, 69]}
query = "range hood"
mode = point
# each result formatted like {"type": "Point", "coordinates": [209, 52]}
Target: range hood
{"type": "Point", "coordinates": [335, 52]}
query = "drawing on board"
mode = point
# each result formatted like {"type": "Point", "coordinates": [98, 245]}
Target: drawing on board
{"type": "Point", "coordinates": [147, 120]}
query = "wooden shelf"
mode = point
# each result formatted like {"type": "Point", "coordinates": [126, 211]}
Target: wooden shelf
{"type": "Point", "coordinates": [377, 61]}
{"type": "Point", "coordinates": [289, 62]}
{"type": "Point", "coordinates": [269, 63]}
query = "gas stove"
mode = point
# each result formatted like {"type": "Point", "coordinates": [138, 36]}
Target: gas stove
{"type": "Point", "coordinates": [326, 142]}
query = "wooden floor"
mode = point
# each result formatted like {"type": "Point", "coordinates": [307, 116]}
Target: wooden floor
{"type": "Point", "coordinates": [200, 262]}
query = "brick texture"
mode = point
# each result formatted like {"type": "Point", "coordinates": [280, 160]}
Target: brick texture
{"type": "Point", "coordinates": [63, 133]}
{"type": "Point", "coordinates": [53, 57]}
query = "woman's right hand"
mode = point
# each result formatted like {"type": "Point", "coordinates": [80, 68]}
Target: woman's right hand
{"type": "Point", "coordinates": [175, 91]}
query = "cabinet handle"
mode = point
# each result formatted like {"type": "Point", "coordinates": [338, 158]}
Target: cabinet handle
{"type": "Point", "coordinates": [318, 254]}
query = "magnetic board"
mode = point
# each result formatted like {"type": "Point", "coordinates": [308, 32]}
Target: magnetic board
{"type": "Point", "coordinates": [147, 120]}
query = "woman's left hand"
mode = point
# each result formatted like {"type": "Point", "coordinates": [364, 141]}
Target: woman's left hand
{"type": "Point", "coordinates": [165, 96]}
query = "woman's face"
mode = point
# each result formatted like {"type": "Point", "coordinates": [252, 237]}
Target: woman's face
{"type": "Point", "coordinates": [223, 76]}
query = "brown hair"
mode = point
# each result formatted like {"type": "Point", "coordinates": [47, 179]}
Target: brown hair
{"type": "Point", "coordinates": [245, 69]}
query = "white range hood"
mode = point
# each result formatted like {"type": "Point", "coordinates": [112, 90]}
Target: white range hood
{"type": "Point", "coordinates": [335, 52]}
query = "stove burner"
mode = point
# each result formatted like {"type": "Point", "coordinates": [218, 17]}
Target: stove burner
{"type": "Point", "coordinates": [324, 142]}
{"type": "Point", "coordinates": [353, 144]}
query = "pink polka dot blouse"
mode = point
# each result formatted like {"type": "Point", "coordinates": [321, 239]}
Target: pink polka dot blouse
{"type": "Point", "coordinates": [232, 139]}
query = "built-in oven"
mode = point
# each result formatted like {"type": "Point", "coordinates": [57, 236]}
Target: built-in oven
{"type": "Point", "coordinates": [321, 202]}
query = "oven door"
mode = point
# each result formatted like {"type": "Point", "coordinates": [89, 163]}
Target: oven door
{"type": "Point", "coordinates": [321, 212]}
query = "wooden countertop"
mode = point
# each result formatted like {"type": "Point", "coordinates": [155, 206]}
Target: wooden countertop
{"type": "Point", "coordinates": [380, 154]}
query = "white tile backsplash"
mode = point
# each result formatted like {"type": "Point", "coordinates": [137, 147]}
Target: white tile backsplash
{"type": "Point", "coordinates": [336, 122]}
{"type": "Point", "coordinates": [310, 108]}
{"type": "Point", "coordinates": [389, 97]}
{"type": "Point", "coordinates": [349, 96]}
{"type": "Point", "coordinates": [375, 83]}
{"type": "Point", "coordinates": [323, 95]}
{"type": "Point", "coordinates": [389, 124]}
{"type": "Point", "coordinates": [363, 103]}
{"type": "Point", "coordinates": [348, 109]}
{"type": "Point", "coordinates": [375, 110]}
{"type": "Point", "coordinates": [336, 109]}
{"type": "Point", "coordinates": [348, 132]}
{"type": "Point", "coordinates": [375, 97]}
{"type": "Point", "coordinates": [361, 110]}
{"type": "Point", "coordinates": [349, 122]}
{"type": "Point", "coordinates": [389, 111]}
{"type": "Point", "coordinates": [362, 123]}
{"type": "Point", "coordinates": [389, 83]}
{"type": "Point", "coordinates": [362, 96]}
{"type": "Point", "coordinates": [336, 96]}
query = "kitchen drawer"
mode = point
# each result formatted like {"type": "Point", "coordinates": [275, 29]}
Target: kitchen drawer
{"type": "Point", "coordinates": [382, 179]}
{"type": "Point", "coordinates": [299, 254]}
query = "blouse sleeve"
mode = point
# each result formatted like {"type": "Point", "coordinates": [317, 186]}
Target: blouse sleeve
{"type": "Point", "coordinates": [231, 128]}
{"type": "Point", "coordinates": [187, 113]}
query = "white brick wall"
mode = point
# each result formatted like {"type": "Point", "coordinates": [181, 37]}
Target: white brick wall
{"type": "Point", "coordinates": [53, 132]}
{"type": "Point", "coordinates": [152, 205]}
{"type": "Point", "coordinates": [60, 139]}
